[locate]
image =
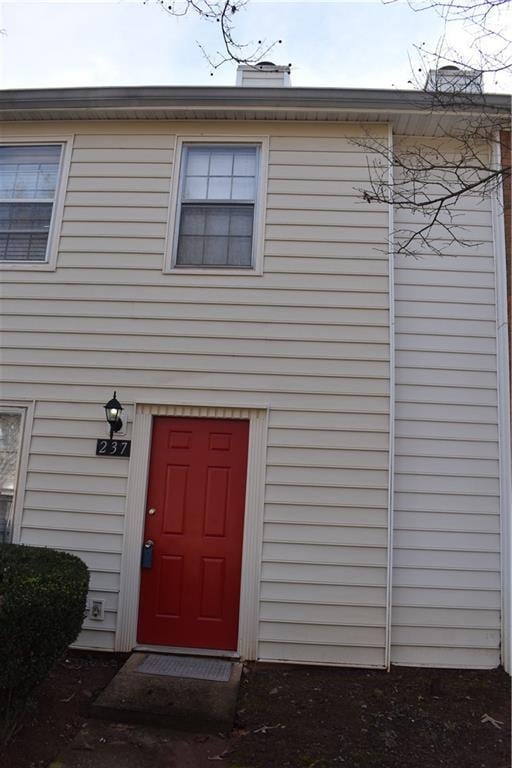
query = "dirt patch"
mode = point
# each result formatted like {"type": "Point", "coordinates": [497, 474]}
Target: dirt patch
{"type": "Point", "coordinates": [302, 717]}
{"type": "Point", "coordinates": [58, 708]}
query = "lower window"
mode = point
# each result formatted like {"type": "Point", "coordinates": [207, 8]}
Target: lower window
{"type": "Point", "coordinates": [10, 441]}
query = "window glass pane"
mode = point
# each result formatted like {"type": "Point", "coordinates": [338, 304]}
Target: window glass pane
{"type": "Point", "coordinates": [193, 219]}
{"type": "Point", "coordinates": [10, 434]}
{"type": "Point", "coordinates": [240, 251]}
{"type": "Point", "coordinates": [28, 172]}
{"type": "Point", "coordinates": [217, 221]}
{"type": "Point", "coordinates": [195, 188]}
{"type": "Point", "coordinates": [198, 160]}
{"type": "Point", "coordinates": [245, 162]}
{"type": "Point", "coordinates": [216, 251]}
{"type": "Point", "coordinates": [21, 154]}
{"type": "Point", "coordinates": [221, 162]}
{"type": "Point", "coordinates": [190, 250]}
{"type": "Point", "coordinates": [219, 188]}
{"type": "Point", "coordinates": [7, 180]}
{"type": "Point", "coordinates": [241, 221]}
{"type": "Point", "coordinates": [244, 188]}
{"type": "Point", "coordinates": [25, 216]}
{"type": "Point", "coordinates": [23, 247]}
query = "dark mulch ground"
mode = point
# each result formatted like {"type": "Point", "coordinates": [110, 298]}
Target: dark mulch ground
{"type": "Point", "coordinates": [58, 708]}
{"type": "Point", "coordinates": [302, 717]}
{"type": "Point", "coordinates": [309, 717]}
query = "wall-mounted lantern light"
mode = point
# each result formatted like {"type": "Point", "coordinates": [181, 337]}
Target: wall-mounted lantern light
{"type": "Point", "coordinates": [113, 415]}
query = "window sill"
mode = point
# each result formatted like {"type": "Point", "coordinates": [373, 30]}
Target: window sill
{"type": "Point", "coordinates": [38, 266]}
{"type": "Point", "coordinates": [252, 272]}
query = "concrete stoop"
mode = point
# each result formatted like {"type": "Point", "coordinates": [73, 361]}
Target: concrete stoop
{"type": "Point", "coordinates": [179, 703]}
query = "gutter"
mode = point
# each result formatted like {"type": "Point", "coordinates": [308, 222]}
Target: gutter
{"type": "Point", "coordinates": [229, 98]}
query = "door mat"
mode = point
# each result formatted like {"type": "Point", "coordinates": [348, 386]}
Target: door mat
{"type": "Point", "coordinates": [217, 670]}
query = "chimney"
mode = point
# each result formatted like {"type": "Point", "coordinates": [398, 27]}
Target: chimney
{"type": "Point", "coordinates": [265, 74]}
{"type": "Point", "coordinates": [451, 79]}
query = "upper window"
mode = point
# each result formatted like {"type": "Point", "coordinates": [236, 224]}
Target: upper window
{"type": "Point", "coordinates": [28, 184]}
{"type": "Point", "coordinates": [216, 207]}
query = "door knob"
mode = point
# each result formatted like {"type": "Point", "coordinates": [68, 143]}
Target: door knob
{"type": "Point", "coordinates": [152, 511]}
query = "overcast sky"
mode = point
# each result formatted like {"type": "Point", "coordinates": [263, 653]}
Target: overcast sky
{"type": "Point", "coordinates": [126, 42]}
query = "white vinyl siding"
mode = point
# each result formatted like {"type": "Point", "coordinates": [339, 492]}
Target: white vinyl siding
{"type": "Point", "coordinates": [446, 596]}
{"type": "Point", "coordinates": [311, 340]}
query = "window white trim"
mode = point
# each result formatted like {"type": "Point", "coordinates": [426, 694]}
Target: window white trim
{"type": "Point", "coordinates": [26, 410]}
{"type": "Point", "coordinates": [126, 630]}
{"type": "Point", "coordinates": [171, 241]}
{"type": "Point", "coordinates": [50, 264]}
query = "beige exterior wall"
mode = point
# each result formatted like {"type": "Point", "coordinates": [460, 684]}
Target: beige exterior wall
{"type": "Point", "coordinates": [446, 549]}
{"type": "Point", "coordinates": [309, 340]}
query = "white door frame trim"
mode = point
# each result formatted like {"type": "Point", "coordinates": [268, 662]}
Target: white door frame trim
{"type": "Point", "coordinates": [126, 632]}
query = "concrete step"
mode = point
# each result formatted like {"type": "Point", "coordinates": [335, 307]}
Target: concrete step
{"type": "Point", "coordinates": [180, 703]}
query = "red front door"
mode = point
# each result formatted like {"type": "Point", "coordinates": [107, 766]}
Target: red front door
{"type": "Point", "coordinates": [195, 515]}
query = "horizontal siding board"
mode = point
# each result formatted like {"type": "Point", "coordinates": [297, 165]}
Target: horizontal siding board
{"type": "Point", "coordinates": [321, 654]}
{"type": "Point", "coordinates": [73, 521]}
{"type": "Point", "coordinates": [447, 597]}
{"type": "Point", "coordinates": [285, 551]}
{"type": "Point", "coordinates": [332, 537]}
{"type": "Point", "coordinates": [440, 636]}
{"type": "Point", "coordinates": [347, 615]}
{"type": "Point", "coordinates": [107, 156]}
{"type": "Point", "coordinates": [155, 332]}
{"type": "Point", "coordinates": [319, 573]}
{"type": "Point", "coordinates": [238, 362]}
{"type": "Point", "coordinates": [446, 559]}
{"type": "Point", "coordinates": [320, 202]}
{"type": "Point", "coordinates": [366, 637]}
{"type": "Point", "coordinates": [457, 657]}
{"type": "Point", "coordinates": [311, 456]}
{"type": "Point", "coordinates": [282, 591]}
{"type": "Point", "coordinates": [95, 640]}
{"type": "Point", "coordinates": [444, 521]}
{"type": "Point", "coordinates": [82, 201]}
{"type": "Point", "coordinates": [141, 140]}
{"type": "Point", "coordinates": [137, 184]}
{"type": "Point", "coordinates": [121, 215]}
{"type": "Point", "coordinates": [449, 578]}
{"type": "Point", "coordinates": [298, 514]}
{"type": "Point", "coordinates": [79, 502]}
{"type": "Point", "coordinates": [444, 502]}
{"type": "Point", "coordinates": [82, 540]}
{"type": "Point", "coordinates": [63, 307]}
{"type": "Point", "coordinates": [445, 617]}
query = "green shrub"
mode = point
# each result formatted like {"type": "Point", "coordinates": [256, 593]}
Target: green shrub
{"type": "Point", "coordinates": [42, 605]}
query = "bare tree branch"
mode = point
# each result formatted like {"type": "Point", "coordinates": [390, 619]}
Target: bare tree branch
{"type": "Point", "coordinates": [223, 13]}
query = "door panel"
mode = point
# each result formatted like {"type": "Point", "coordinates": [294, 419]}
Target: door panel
{"type": "Point", "coordinates": [190, 596]}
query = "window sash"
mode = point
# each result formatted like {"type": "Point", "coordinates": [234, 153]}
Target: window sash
{"type": "Point", "coordinates": [29, 177]}
{"type": "Point", "coordinates": [238, 166]}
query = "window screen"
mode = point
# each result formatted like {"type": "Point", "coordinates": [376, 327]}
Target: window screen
{"type": "Point", "coordinates": [218, 195]}
{"type": "Point", "coordinates": [28, 182]}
